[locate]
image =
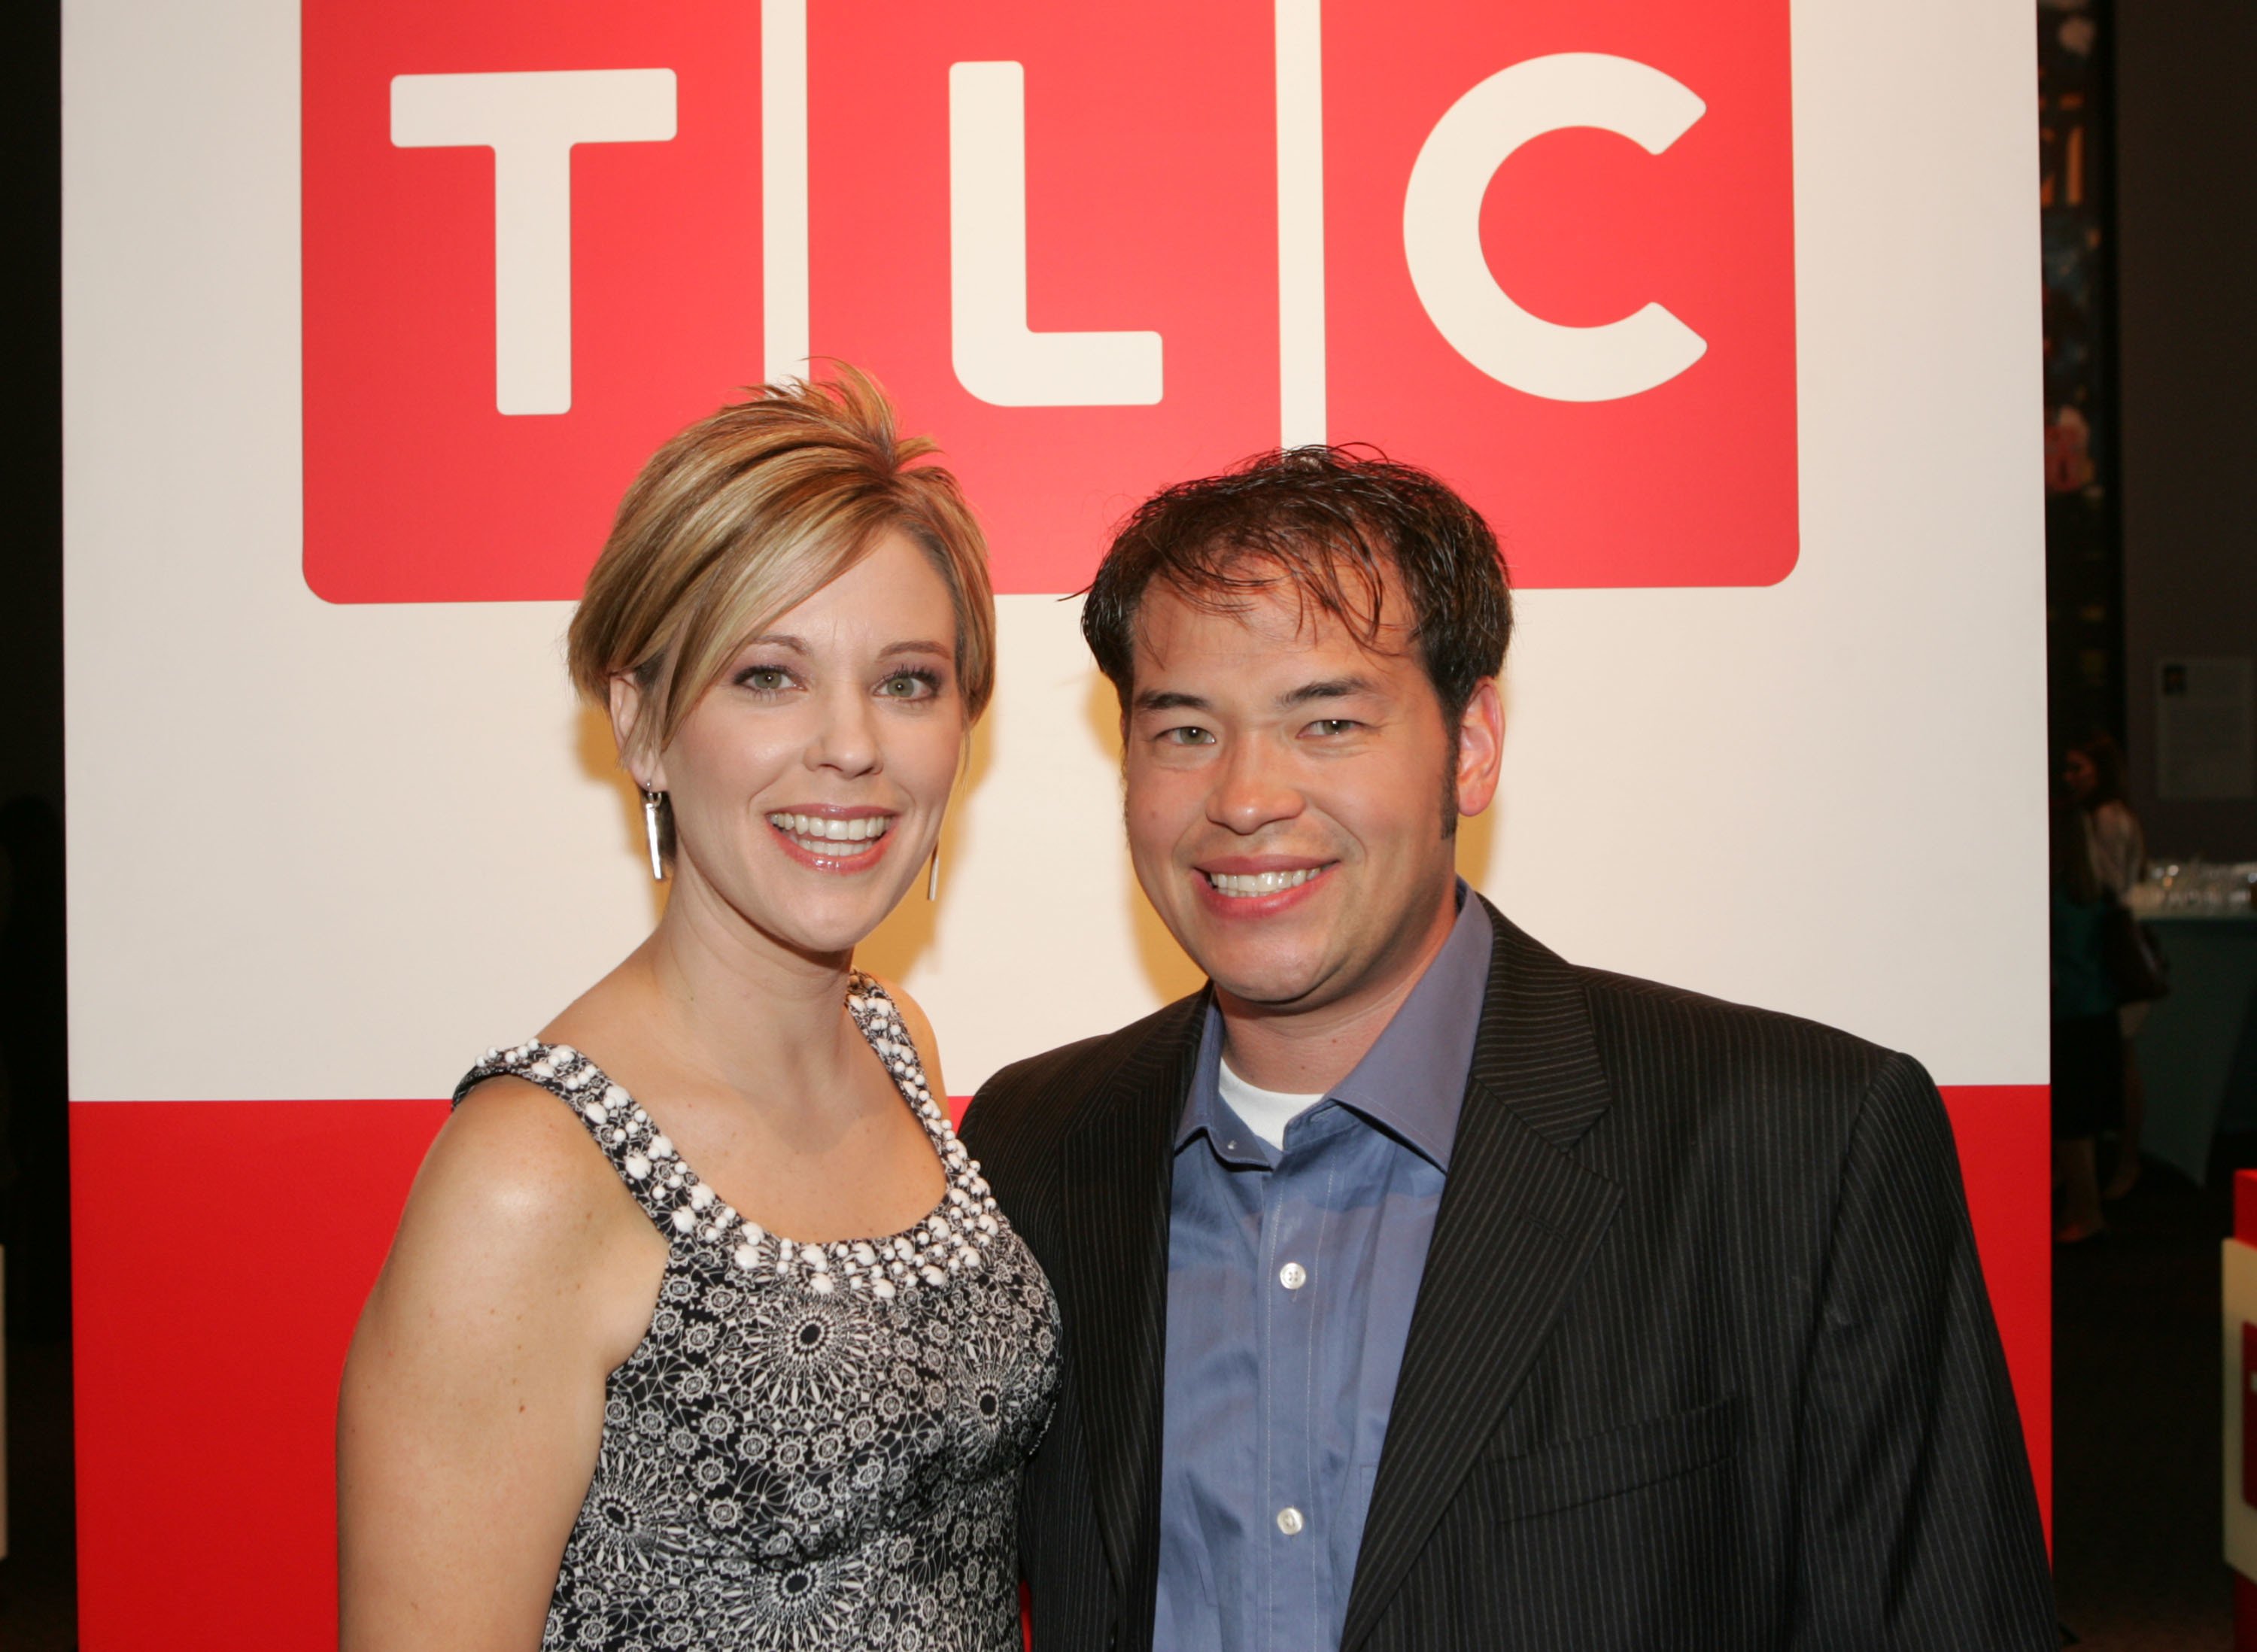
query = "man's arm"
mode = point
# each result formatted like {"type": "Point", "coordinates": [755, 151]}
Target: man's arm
{"type": "Point", "coordinates": [1918, 1523]}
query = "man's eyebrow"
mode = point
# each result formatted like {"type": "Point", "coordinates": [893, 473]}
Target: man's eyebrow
{"type": "Point", "coordinates": [1170, 699]}
{"type": "Point", "coordinates": [1327, 689]}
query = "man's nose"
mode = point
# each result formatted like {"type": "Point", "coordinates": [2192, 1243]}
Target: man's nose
{"type": "Point", "coordinates": [1253, 790]}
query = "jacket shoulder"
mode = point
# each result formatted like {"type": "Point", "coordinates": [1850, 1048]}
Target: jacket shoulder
{"type": "Point", "coordinates": [1651, 1035]}
{"type": "Point", "coordinates": [1020, 1112]}
{"type": "Point", "coordinates": [1770, 1111]}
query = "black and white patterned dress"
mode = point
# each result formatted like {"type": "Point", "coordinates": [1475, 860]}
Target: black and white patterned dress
{"type": "Point", "coordinates": [815, 1446]}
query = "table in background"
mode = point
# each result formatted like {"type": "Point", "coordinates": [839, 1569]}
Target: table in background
{"type": "Point", "coordinates": [2198, 1048]}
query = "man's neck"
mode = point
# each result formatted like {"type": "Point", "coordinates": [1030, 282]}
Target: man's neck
{"type": "Point", "coordinates": [1306, 1051]}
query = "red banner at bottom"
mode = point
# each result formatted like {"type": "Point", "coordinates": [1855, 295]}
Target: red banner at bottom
{"type": "Point", "coordinates": [221, 1251]}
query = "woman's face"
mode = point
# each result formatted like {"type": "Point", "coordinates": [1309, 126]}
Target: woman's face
{"type": "Point", "coordinates": [2077, 771]}
{"type": "Point", "coordinates": [807, 783]}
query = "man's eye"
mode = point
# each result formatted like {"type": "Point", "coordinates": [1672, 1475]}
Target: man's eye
{"type": "Point", "coordinates": [1324, 726]}
{"type": "Point", "coordinates": [1187, 736]}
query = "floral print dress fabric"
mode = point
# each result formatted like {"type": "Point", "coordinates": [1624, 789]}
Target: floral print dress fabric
{"type": "Point", "coordinates": [815, 1446]}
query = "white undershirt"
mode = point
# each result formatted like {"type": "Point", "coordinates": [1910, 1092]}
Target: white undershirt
{"type": "Point", "coordinates": [1266, 1111]}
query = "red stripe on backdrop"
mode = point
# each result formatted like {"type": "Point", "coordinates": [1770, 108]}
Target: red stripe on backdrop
{"type": "Point", "coordinates": [2005, 1133]}
{"type": "Point", "coordinates": [221, 1252]}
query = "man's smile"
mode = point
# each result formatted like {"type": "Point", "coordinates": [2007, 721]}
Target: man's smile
{"type": "Point", "coordinates": [1258, 886]}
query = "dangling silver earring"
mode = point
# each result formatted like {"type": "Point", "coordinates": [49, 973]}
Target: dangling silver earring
{"type": "Point", "coordinates": [932, 875]}
{"type": "Point", "coordinates": [651, 831]}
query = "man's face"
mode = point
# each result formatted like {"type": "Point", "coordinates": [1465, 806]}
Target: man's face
{"type": "Point", "coordinates": [1285, 795]}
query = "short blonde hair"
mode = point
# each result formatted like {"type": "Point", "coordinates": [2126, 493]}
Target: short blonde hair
{"type": "Point", "coordinates": [746, 515]}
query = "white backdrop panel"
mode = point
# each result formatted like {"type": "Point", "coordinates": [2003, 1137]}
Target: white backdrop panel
{"type": "Point", "coordinates": [334, 851]}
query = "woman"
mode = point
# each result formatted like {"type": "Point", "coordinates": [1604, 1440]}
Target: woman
{"type": "Point", "coordinates": [700, 1328]}
{"type": "Point", "coordinates": [2094, 774]}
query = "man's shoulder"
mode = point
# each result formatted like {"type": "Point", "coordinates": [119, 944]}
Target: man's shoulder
{"type": "Point", "coordinates": [1653, 1035]}
{"type": "Point", "coordinates": [1703, 1091]}
{"type": "Point", "coordinates": [1651, 1031]}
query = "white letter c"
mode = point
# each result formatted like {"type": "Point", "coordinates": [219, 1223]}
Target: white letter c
{"type": "Point", "coordinates": [1441, 227]}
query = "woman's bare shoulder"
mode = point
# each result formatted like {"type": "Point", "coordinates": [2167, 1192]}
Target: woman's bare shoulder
{"type": "Point", "coordinates": [513, 1147]}
{"type": "Point", "coordinates": [514, 1197]}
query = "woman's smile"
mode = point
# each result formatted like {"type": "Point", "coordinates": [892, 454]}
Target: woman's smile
{"type": "Point", "coordinates": [834, 839]}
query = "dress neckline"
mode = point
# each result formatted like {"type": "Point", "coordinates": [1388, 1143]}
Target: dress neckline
{"type": "Point", "coordinates": [947, 1240]}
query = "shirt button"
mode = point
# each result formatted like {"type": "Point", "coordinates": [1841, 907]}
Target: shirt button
{"type": "Point", "coordinates": [1293, 1277]}
{"type": "Point", "coordinates": [1289, 1521]}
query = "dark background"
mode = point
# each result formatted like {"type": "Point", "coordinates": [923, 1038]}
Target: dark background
{"type": "Point", "coordinates": [34, 1218]}
{"type": "Point", "coordinates": [37, 1580]}
{"type": "Point", "coordinates": [2186, 263]}
{"type": "Point", "coordinates": [2160, 563]}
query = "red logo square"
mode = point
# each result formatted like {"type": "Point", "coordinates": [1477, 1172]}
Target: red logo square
{"type": "Point", "coordinates": [1601, 457]}
{"type": "Point", "coordinates": [418, 487]}
{"type": "Point", "coordinates": [1143, 347]}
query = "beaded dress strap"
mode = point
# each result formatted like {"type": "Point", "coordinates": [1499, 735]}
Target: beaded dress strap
{"type": "Point", "coordinates": [949, 1240]}
{"type": "Point", "coordinates": [643, 1157]}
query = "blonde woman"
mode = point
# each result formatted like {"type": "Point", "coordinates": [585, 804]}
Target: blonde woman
{"type": "Point", "coordinates": [700, 1328]}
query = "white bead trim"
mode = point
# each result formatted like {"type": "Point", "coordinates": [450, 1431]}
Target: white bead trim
{"type": "Point", "coordinates": [947, 1240]}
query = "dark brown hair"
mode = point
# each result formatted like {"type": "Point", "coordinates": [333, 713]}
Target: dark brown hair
{"type": "Point", "coordinates": [1327, 522]}
{"type": "Point", "coordinates": [2099, 749]}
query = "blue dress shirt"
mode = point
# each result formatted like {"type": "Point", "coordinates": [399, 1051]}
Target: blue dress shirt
{"type": "Point", "coordinates": [1291, 1276]}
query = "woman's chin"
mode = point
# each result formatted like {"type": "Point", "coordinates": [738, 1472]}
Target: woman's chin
{"type": "Point", "coordinates": [826, 924]}
{"type": "Point", "coordinates": [822, 914]}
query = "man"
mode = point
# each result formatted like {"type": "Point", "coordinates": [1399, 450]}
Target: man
{"type": "Point", "coordinates": [1421, 1290]}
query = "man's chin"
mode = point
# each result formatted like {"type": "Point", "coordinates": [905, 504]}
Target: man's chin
{"type": "Point", "coordinates": [1279, 987]}
{"type": "Point", "coordinates": [1279, 969]}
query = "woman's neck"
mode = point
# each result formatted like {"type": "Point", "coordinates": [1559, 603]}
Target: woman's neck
{"type": "Point", "coordinates": [752, 1013]}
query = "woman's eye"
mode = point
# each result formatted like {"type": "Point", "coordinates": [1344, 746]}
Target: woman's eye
{"type": "Point", "coordinates": [766, 679]}
{"type": "Point", "coordinates": [909, 685]}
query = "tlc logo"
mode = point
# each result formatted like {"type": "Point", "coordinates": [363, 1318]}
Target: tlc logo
{"type": "Point", "coordinates": [1545, 250]}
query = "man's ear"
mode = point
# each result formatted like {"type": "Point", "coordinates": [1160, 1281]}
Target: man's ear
{"type": "Point", "coordinates": [1481, 747]}
{"type": "Point", "coordinates": [648, 767]}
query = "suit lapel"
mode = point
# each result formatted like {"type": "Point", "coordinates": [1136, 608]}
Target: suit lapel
{"type": "Point", "coordinates": [1117, 1160]}
{"type": "Point", "coordinates": [1518, 1221]}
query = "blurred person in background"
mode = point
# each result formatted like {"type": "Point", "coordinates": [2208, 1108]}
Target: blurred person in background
{"type": "Point", "coordinates": [2088, 1061]}
{"type": "Point", "coordinates": [2094, 772]}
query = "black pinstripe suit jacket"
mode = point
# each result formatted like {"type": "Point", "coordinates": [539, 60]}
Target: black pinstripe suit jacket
{"type": "Point", "coordinates": [1701, 1357]}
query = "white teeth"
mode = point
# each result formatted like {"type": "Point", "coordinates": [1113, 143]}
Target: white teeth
{"type": "Point", "coordinates": [824, 835]}
{"type": "Point", "coordinates": [1260, 883]}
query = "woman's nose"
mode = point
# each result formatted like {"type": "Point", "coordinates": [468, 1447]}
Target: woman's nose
{"type": "Point", "coordinates": [846, 739]}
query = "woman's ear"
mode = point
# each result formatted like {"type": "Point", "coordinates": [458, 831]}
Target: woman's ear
{"type": "Point", "coordinates": [646, 766]}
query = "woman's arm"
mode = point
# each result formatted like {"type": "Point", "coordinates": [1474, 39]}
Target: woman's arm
{"type": "Point", "coordinates": [2118, 856]}
{"type": "Point", "coordinates": [472, 1404]}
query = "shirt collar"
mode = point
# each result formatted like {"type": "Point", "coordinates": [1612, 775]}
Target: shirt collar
{"type": "Point", "coordinates": [1411, 1083]}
